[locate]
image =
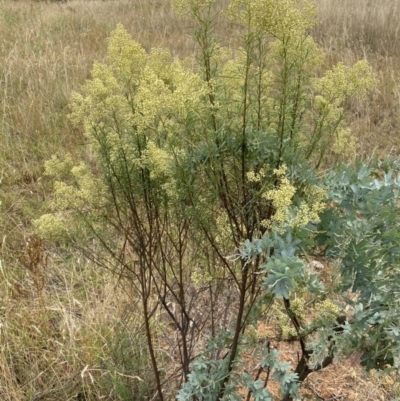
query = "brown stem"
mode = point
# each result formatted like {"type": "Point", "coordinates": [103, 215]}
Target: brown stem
{"type": "Point", "coordinates": [238, 330]}
{"type": "Point", "coordinates": [297, 327]}
{"type": "Point", "coordinates": [150, 343]}
{"type": "Point", "coordinates": [303, 370]}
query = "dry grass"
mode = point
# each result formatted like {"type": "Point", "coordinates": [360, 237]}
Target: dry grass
{"type": "Point", "coordinates": [60, 319]}
{"type": "Point", "coordinates": [364, 29]}
{"type": "Point", "coordinates": [61, 332]}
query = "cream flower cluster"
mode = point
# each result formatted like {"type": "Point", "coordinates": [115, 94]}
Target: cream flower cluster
{"type": "Point", "coordinates": [281, 19]}
{"type": "Point", "coordinates": [281, 198]}
{"type": "Point", "coordinates": [287, 215]}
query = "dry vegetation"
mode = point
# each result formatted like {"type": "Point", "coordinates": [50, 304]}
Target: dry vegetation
{"type": "Point", "coordinates": [64, 333]}
{"type": "Point", "coordinates": [363, 29]}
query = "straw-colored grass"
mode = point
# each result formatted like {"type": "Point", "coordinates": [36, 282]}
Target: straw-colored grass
{"type": "Point", "coordinates": [61, 332]}
{"type": "Point", "coordinates": [350, 30]}
{"type": "Point", "coordinates": [64, 334]}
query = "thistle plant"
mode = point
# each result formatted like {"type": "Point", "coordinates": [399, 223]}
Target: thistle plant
{"type": "Point", "coordinates": [206, 185]}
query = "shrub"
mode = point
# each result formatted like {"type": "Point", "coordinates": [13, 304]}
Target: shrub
{"type": "Point", "coordinates": [206, 185]}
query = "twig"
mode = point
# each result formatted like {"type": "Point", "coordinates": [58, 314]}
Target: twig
{"type": "Point", "coordinates": [333, 398]}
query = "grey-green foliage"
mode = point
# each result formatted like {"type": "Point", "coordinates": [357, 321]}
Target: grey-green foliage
{"type": "Point", "coordinates": [283, 275]}
{"type": "Point", "coordinates": [206, 377]}
{"type": "Point", "coordinates": [208, 372]}
{"type": "Point", "coordinates": [360, 234]}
